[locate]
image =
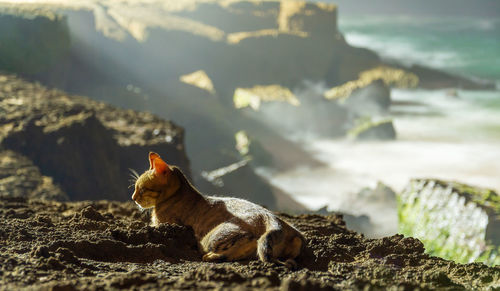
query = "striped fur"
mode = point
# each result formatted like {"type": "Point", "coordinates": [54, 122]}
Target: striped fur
{"type": "Point", "coordinates": [227, 229]}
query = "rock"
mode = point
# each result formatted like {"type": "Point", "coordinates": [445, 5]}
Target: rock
{"type": "Point", "coordinates": [27, 50]}
{"type": "Point", "coordinates": [240, 175]}
{"type": "Point", "coordinates": [304, 111]}
{"type": "Point", "coordinates": [454, 221]}
{"type": "Point", "coordinates": [371, 100]}
{"type": "Point", "coordinates": [166, 257]}
{"type": "Point", "coordinates": [382, 194]}
{"type": "Point", "coordinates": [122, 50]}
{"type": "Point", "coordinates": [86, 147]}
{"type": "Point", "coordinates": [373, 130]}
{"type": "Point", "coordinates": [21, 178]}
{"type": "Point", "coordinates": [359, 223]}
{"type": "Point", "coordinates": [253, 97]}
{"type": "Point", "coordinates": [435, 79]}
{"type": "Point", "coordinates": [118, 55]}
{"type": "Point", "coordinates": [390, 75]}
{"type": "Point", "coordinates": [237, 43]}
{"type": "Point", "coordinates": [377, 199]}
{"type": "Point", "coordinates": [199, 79]}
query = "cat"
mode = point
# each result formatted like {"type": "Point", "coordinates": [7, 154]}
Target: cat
{"type": "Point", "coordinates": [227, 229]}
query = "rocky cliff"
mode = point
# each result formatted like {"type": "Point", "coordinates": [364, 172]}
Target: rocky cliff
{"type": "Point", "coordinates": [140, 54]}
{"type": "Point", "coordinates": [32, 42]}
{"type": "Point", "coordinates": [62, 146]}
{"type": "Point", "coordinates": [85, 147]}
{"type": "Point", "coordinates": [134, 54]}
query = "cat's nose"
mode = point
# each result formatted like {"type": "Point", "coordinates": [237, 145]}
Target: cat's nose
{"type": "Point", "coordinates": [134, 196]}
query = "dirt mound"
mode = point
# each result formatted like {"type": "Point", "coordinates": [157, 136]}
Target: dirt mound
{"type": "Point", "coordinates": [103, 244]}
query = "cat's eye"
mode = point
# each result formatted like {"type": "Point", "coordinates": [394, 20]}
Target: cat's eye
{"type": "Point", "coordinates": [144, 190]}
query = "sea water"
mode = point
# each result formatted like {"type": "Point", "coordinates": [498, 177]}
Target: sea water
{"type": "Point", "coordinates": [462, 45]}
{"type": "Point", "coordinates": [439, 135]}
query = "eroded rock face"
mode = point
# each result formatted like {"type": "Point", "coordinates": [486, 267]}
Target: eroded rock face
{"type": "Point", "coordinates": [95, 245]}
{"type": "Point", "coordinates": [87, 147]}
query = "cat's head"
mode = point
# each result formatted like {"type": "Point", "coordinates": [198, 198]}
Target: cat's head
{"type": "Point", "coordinates": [154, 184]}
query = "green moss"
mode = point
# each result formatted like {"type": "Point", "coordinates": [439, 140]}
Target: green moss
{"type": "Point", "coordinates": [483, 197]}
{"type": "Point", "coordinates": [252, 149]}
{"type": "Point", "coordinates": [365, 124]}
{"type": "Point", "coordinates": [390, 76]}
{"type": "Point", "coordinates": [451, 219]}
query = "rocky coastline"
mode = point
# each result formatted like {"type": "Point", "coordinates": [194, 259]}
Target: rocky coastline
{"type": "Point", "coordinates": [217, 88]}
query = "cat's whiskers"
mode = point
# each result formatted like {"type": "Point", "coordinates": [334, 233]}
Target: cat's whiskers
{"type": "Point", "coordinates": [142, 209]}
{"type": "Point", "coordinates": [133, 177]}
{"type": "Point", "coordinates": [134, 173]}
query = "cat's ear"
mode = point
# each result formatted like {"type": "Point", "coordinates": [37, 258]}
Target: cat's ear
{"type": "Point", "coordinates": [153, 156]}
{"type": "Point", "coordinates": [156, 163]}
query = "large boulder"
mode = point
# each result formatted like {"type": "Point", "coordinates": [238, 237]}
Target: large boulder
{"type": "Point", "coordinates": [373, 99]}
{"type": "Point", "coordinates": [454, 221]}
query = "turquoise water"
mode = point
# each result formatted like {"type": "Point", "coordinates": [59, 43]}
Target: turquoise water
{"type": "Point", "coordinates": [465, 46]}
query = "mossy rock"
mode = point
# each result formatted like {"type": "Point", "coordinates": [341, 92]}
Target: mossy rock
{"type": "Point", "coordinates": [454, 221]}
{"type": "Point", "coordinates": [367, 129]}
{"type": "Point", "coordinates": [252, 150]}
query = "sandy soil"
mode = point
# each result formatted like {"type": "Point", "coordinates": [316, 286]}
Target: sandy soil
{"type": "Point", "coordinates": [109, 245]}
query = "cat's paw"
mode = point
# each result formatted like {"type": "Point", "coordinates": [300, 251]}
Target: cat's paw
{"type": "Point", "coordinates": [291, 264]}
{"type": "Point", "coordinates": [213, 257]}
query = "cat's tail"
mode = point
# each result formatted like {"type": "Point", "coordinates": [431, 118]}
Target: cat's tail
{"type": "Point", "coordinates": [274, 244]}
{"type": "Point", "coordinates": [266, 242]}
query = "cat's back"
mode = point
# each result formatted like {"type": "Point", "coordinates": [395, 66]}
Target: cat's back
{"type": "Point", "coordinates": [247, 211]}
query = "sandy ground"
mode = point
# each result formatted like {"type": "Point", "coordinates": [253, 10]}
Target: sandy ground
{"type": "Point", "coordinates": [109, 245]}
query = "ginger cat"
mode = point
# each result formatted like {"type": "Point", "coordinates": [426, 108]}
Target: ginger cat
{"type": "Point", "coordinates": [226, 228]}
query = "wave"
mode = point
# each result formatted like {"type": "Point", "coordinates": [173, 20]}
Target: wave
{"type": "Point", "coordinates": [439, 24]}
{"type": "Point", "coordinates": [440, 135]}
{"type": "Point", "coordinates": [468, 47]}
{"type": "Point", "coordinates": [404, 51]}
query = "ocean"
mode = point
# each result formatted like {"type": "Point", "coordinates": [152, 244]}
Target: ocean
{"type": "Point", "coordinates": [465, 46]}
{"type": "Point", "coordinates": [438, 135]}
